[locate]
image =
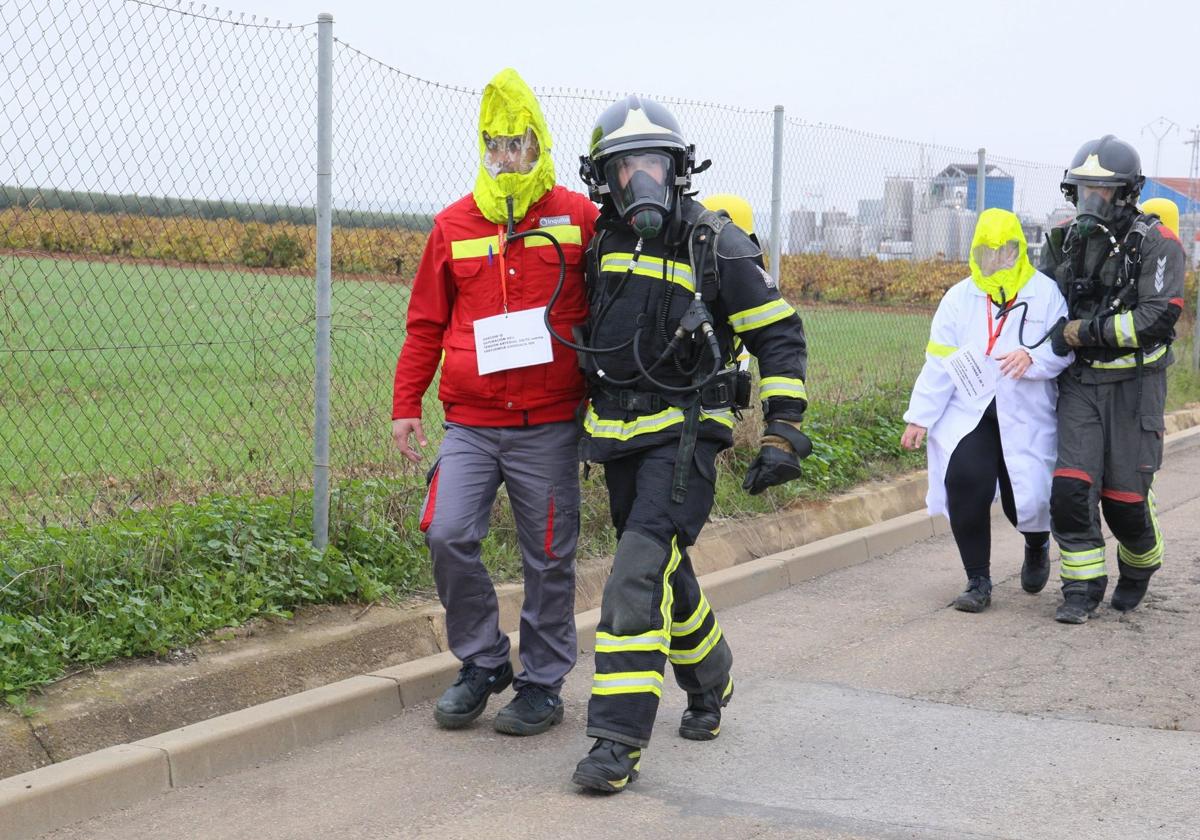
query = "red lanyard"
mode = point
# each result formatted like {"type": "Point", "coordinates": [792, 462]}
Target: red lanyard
{"type": "Point", "coordinates": [992, 336]}
{"type": "Point", "coordinates": [501, 232]}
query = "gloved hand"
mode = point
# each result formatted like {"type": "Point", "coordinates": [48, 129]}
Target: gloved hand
{"type": "Point", "coordinates": [778, 459]}
{"type": "Point", "coordinates": [1058, 342]}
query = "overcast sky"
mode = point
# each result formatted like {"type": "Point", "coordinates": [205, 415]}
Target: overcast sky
{"type": "Point", "coordinates": [1028, 79]}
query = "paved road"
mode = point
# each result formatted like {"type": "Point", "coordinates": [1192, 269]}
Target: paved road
{"type": "Point", "coordinates": [865, 708]}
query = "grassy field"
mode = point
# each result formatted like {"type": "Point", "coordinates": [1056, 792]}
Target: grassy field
{"type": "Point", "coordinates": [146, 383]}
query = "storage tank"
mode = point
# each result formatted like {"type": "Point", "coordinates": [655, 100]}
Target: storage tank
{"type": "Point", "coordinates": [935, 234]}
{"type": "Point", "coordinates": [965, 223]}
{"type": "Point", "coordinates": [872, 236]}
{"type": "Point", "coordinates": [843, 239]}
{"type": "Point", "coordinates": [802, 231]}
{"type": "Point", "coordinates": [898, 208]}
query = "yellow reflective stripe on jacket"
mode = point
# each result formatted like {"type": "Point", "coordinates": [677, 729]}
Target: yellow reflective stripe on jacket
{"type": "Point", "coordinates": [782, 386]}
{"type": "Point", "coordinates": [1083, 565]}
{"type": "Point", "coordinates": [565, 234]}
{"type": "Point", "coordinates": [940, 351]}
{"type": "Point", "coordinates": [1123, 329]}
{"type": "Point", "coordinates": [691, 657]}
{"type": "Point", "coordinates": [760, 316]}
{"type": "Point", "coordinates": [628, 429]}
{"type": "Point", "coordinates": [693, 621]}
{"type": "Point", "coordinates": [461, 249]}
{"type": "Point", "coordinates": [608, 643]}
{"type": "Point", "coordinates": [1129, 361]}
{"type": "Point", "coordinates": [628, 682]}
{"type": "Point", "coordinates": [677, 272]}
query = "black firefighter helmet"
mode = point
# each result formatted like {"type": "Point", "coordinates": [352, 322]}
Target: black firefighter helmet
{"type": "Point", "coordinates": [639, 162]}
{"type": "Point", "coordinates": [1104, 178]}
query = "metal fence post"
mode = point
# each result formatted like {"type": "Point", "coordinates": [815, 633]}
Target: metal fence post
{"type": "Point", "coordinates": [777, 196]}
{"type": "Point", "coordinates": [981, 182]}
{"type": "Point", "coordinates": [323, 281]}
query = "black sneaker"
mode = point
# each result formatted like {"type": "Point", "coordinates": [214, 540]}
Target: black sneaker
{"type": "Point", "coordinates": [1035, 571]}
{"type": "Point", "coordinates": [1081, 599]}
{"type": "Point", "coordinates": [976, 597]}
{"type": "Point", "coordinates": [465, 700]}
{"type": "Point", "coordinates": [702, 718]}
{"type": "Point", "coordinates": [608, 767]}
{"type": "Point", "coordinates": [532, 711]}
{"type": "Point", "coordinates": [1128, 593]}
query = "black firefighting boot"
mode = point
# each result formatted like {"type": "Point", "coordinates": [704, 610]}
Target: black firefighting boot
{"type": "Point", "coordinates": [608, 767]}
{"type": "Point", "coordinates": [1081, 599]}
{"type": "Point", "coordinates": [702, 718]}
{"type": "Point", "coordinates": [1035, 571]}
{"type": "Point", "coordinates": [976, 597]}
{"type": "Point", "coordinates": [465, 700]}
{"type": "Point", "coordinates": [1128, 592]}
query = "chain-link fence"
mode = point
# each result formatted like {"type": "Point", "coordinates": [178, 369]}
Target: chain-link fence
{"type": "Point", "coordinates": [158, 245]}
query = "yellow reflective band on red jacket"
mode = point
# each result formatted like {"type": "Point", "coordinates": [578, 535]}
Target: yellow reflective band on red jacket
{"type": "Point", "coordinates": [462, 249]}
{"type": "Point", "coordinates": [565, 234]}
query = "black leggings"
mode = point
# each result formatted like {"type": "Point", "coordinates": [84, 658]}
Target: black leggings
{"type": "Point", "coordinates": [971, 476]}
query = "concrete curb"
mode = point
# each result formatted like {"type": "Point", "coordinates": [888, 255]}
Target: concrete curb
{"type": "Point", "coordinates": [80, 788]}
{"type": "Point", "coordinates": [89, 785]}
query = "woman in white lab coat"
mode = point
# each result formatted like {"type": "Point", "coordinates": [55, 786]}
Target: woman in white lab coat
{"type": "Point", "coordinates": [987, 402]}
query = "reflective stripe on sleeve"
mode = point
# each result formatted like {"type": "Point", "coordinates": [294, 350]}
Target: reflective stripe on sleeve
{"type": "Point", "coordinates": [1126, 335]}
{"type": "Point", "coordinates": [782, 386]}
{"type": "Point", "coordinates": [760, 316]}
{"type": "Point", "coordinates": [940, 351]}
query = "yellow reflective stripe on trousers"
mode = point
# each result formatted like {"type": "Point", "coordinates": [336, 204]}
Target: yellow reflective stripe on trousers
{"type": "Point", "coordinates": [565, 234]}
{"type": "Point", "coordinates": [608, 643]}
{"type": "Point", "coordinates": [760, 316]}
{"type": "Point", "coordinates": [668, 598]}
{"type": "Point", "coordinates": [647, 424]}
{"type": "Point", "coordinates": [693, 621]}
{"type": "Point", "coordinates": [462, 249]}
{"type": "Point", "coordinates": [940, 351]}
{"type": "Point", "coordinates": [1083, 565]}
{"type": "Point", "coordinates": [782, 386]}
{"type": "Point", "coordinates": [1131, 360]}
{"type": "Point", "coordinates": [1123, 329]}
{"type": "Point", "coordinates": [691, 657]}
{"type": "Point", "coordinates": [628, 682]}
{"type": "Point", "coordinates": [1153, 557]}
{"type": "Point", "coordinates": [677, 272]}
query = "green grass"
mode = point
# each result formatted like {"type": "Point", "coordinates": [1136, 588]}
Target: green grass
{"type": "Point", "coordinates": [132, 383]}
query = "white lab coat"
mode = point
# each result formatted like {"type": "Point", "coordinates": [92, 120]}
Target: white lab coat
{"type": "Point", "coordinates": [1025, 407]}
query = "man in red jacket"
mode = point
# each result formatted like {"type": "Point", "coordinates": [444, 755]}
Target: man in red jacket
{"type": "Point", "coordinates": [510, 395]}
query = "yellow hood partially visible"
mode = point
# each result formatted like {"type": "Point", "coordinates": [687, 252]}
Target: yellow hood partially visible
{"type": "Point", "coordinates": [995, 228]}
{"type": "Point", "coordinates": [509, 108]}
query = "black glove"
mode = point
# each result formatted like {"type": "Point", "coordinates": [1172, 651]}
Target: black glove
{"type": "Point", "coordinates": [776, 464]}
{"type": "Point", "coordinates": [1058, 342]}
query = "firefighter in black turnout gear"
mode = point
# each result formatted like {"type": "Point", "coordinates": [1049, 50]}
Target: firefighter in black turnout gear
{"type": "Point", "coordinates": [675, 291]}
{"type": "Point", "coordinates": [1122, 275]}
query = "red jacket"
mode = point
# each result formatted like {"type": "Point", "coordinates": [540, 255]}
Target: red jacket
{"type": "Point", "coordinates": [458, 282]}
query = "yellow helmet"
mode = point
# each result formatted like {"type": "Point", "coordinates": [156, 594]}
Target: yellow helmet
{"type": "Point", "coordinates": [1165, 209]}
{"type": "Point", "coordinates": [736, 206]}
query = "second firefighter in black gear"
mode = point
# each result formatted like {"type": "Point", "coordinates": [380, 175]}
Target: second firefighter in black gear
{"type": "Point", "coordinates": [1122, 274]}
{"type": "Point", "coordinates": [676, 290]}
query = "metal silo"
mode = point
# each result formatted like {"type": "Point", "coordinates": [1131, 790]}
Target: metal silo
{"type": "Point", "coordinates": [898, 208]}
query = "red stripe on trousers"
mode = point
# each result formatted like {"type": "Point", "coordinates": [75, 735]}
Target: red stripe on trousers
{"type": "Point", "coordinates": [427, 517]}
{"type": "Point", "coordinates": [549, 544]}
{"type": "Point", "coordinates": [1122, 496]}
{"type": "Point", "coordinates": [1070, 473]}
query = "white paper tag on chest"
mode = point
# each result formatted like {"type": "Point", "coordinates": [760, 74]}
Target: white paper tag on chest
{"type": "Point", "coordinates": [512, 340]}
{"type": "Point", "coordinates": [974, 375]}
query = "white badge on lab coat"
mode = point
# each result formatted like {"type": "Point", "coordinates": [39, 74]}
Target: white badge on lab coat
{"type": "Point", "coordinates": [974, 375]}
{"type": "Point", "coordinates": [512, 340]}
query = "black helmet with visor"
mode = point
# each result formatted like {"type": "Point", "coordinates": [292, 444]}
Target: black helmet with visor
{"type": "Point", "coordinates": [1104, 178]}
{"type": "Point", "coordinates": [639, 162]}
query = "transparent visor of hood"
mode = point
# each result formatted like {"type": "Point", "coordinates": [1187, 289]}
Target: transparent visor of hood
{"type": "Point", "coordinates": [510, 153]}
{"type": "Point", "coordinates": [640, 177]}
{"type": "Point", "coordinates": [991, 260]}
{"type": "Point", "coordinates": [1095, 201]}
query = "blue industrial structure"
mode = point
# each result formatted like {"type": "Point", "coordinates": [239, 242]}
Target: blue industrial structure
{"type": "Point", "coordinates": [955, 186]}
{"type": "Point", "coordinates": [1185, 192]}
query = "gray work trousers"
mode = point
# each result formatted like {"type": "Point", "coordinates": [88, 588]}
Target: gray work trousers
{"type": "Point", "coordinates": [538, 466]}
